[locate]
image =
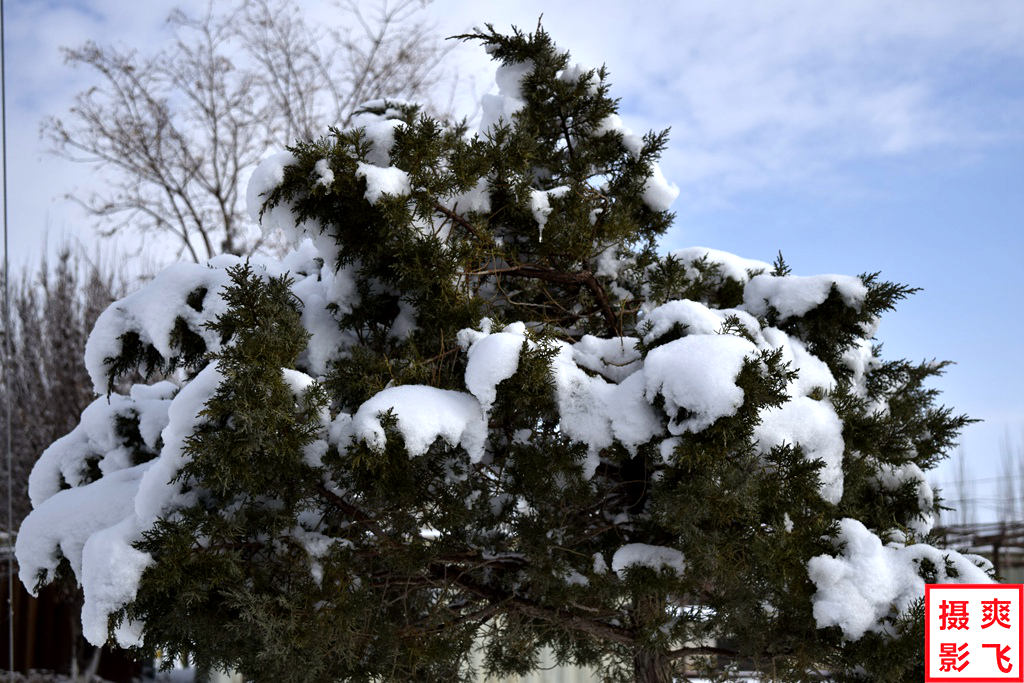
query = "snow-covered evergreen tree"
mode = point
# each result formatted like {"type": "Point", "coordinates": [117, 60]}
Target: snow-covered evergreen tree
{"type": "Point", "coordinates": [475, 407]}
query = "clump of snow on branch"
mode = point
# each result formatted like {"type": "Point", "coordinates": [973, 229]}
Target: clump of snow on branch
{"type": "Point", "coordinates": [96, 440]}
{"type": "Point", "coordinates": [613, 124]}
{"type": "Point", "coordinates": [325, 175]}
{"type": "Point", "coordinates": [94, 524]}
{"type": "Point", "coordinates": [423, 415]}
{"type": "Point", "coordinates": [812, 373]}
{"type": "Point", "coordinates": [475, 200]}
{"type": "Point", "coordinates": [615, 359]}
{"type": "Point", "coordinates": [492, 358]}
{"type": "Point", "coordinates": [381, 182]}
{"type": "Point", "coordinates": [60, 525]}
{"type": "Point", "coordinates": [731, 265]}
{"type": "Point", "coordinates": [867, 582]}
{"type": "Point", "coordinates": [597, 412]}
{"type": "Point", "coordinates": [111, 572]}
{"type": "Point", "coordinates": [319, 280]}
{"type": "Point", "coordinates": [816, 427]}
{"type": "Point", "coordinates": [658, 192]}
{"type": "Point", "coordinates": [894, 477]}
{"type": "Point", "coordinates": [693, 318]}
{"type": "Point", "coordinates": [696, 377]}
{"type": "Point", "coordinates": [793, 296]}
{"type": "Point", "coordinates": [540, 206]}
{"type": "Point", "coordinates": [656, 557]}
{"type": "Point", "coordinates": [156, 494]}
{"type": "Point", "coordinates": [152, 313]}
{"type": "Point", "coordinates": [508, 100]}
{"type": "Point", "coordinates": [265, 177]}
{"type": "Point", "coordinates": [379, 129]}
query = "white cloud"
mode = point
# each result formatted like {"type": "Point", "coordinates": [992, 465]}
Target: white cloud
{"type": "Point", "coordinates": [787, 92]}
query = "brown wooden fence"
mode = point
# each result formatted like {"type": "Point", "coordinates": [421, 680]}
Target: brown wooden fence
{"type": "Point", "coordinates": [47, 634]}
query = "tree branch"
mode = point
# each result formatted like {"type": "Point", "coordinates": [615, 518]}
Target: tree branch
{"type": "Point", "coordinates": [583, 277]}
{"type": "Point", "coordinates": [530, 608]}
{"type": "Point", "coordinates": [701, 650]}
{"type": "Point", "coordinates": [456, 218]}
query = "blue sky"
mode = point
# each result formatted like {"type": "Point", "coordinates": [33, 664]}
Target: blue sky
{"type": "Point", "coordinates": [853, 136]}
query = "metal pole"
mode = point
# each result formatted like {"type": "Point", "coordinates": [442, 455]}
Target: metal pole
{"type": "Point", "coordinates": [7, 353]}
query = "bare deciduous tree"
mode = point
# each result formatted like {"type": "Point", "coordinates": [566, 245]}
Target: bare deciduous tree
{"type": "Point", "coordinates": [53, 309]}
{"type": "Point", "coordinates": [52, 312]}
{"type": "Point", "coordinates": [179, 131]}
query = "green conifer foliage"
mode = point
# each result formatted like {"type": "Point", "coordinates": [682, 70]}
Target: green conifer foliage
{"type": "Point", "coordinates": [504, 451]}
{"type": "Point", "coordinates": [221, 563]}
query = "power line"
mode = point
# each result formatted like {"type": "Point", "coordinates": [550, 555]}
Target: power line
{"type": "Point", "coordinates": [984, 483]}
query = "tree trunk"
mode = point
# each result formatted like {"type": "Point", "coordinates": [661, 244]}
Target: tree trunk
{"type": "Point", "coordinates": [651, 667]}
